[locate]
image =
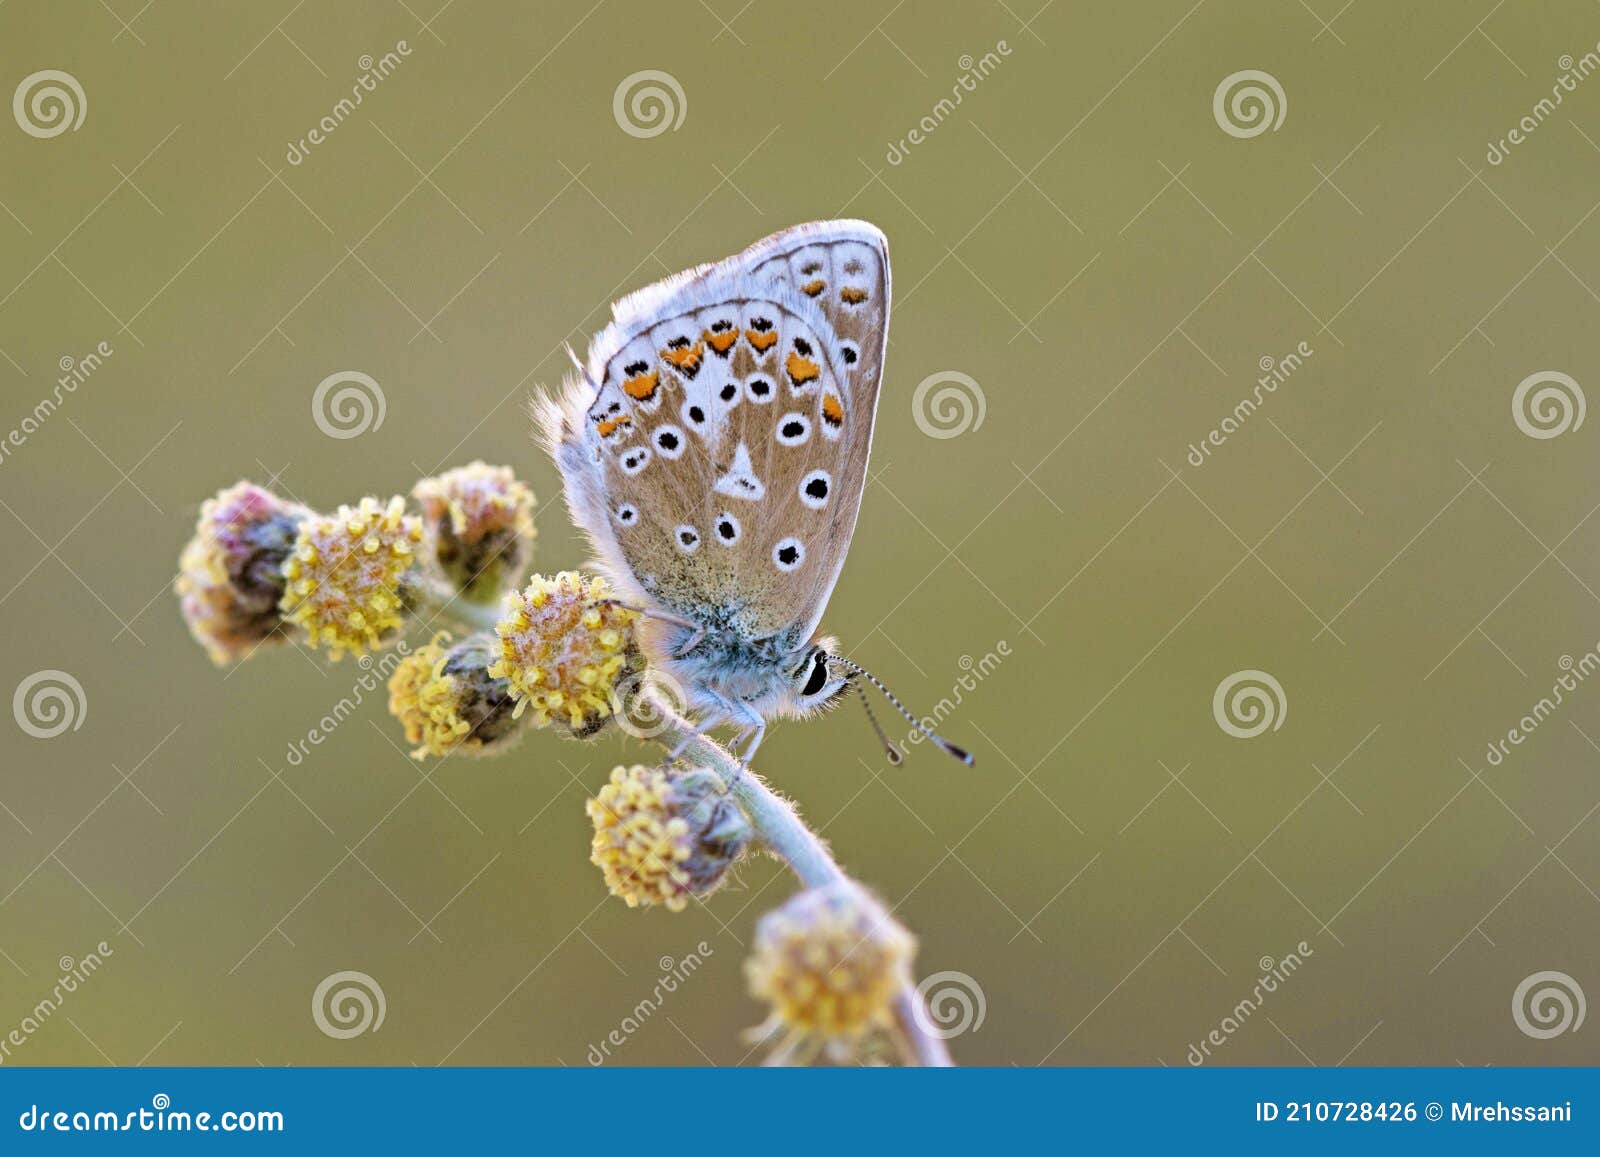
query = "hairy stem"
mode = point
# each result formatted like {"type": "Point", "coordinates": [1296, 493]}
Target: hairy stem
{"type": "Point", "coordinates": [787, 836]}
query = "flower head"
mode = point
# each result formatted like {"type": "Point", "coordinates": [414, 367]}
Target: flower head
{"type": "Point", "coordinates": [479, 522]}
{"type": "Point", "coordinates": [447, 701]}
{"type": "Point", "coordinates": [230, 577]}
{"type": "Point", "coordinates": [829, 961]}
{"type": "Point", "coordinates": [563, 645]}
{"type": "Point", "coordinates": [661, 836]}
{"type": "Point", "coordinates": [344, 576]}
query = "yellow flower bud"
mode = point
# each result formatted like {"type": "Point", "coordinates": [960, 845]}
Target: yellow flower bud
{"type": "Point", "coordinates": [479, 524]}
{"type": "Point", "coordinates": [347, 570]}
{"type": "Point", "coordinates": [562, 647]}
{"type": "Point", "coordinates": [662, 836]}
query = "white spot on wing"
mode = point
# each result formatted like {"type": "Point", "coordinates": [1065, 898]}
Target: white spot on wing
{"type": "Point", "coordinates": [740, 481]}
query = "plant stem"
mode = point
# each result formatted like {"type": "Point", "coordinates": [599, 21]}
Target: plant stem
{"type": "Point", "coordinates": [787, 836]}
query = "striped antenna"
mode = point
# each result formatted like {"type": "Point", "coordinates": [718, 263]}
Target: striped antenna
{"type": "Point", "coordinates": [960, 753]}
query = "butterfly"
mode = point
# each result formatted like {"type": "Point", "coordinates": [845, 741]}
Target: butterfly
{"type": "Point", "coordinates": [714, 448]}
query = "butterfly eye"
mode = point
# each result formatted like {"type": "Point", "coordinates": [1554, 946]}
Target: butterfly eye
{"type": "Point", "coordinates": [788, 553]}
{"type": "Point", "coordinates": [793, 429]}
{"type": "Point", "coordinates": [687, 538]}
{"type": "Point", "coordinates": [815, 488]}
{"type": "Point", "coordinates": [819, 676]}
{"type": "Point", "coordinates": [728, 529]}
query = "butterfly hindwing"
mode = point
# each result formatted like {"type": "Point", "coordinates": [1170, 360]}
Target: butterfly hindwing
{"type": "Point", "coordinates": [723, 456]}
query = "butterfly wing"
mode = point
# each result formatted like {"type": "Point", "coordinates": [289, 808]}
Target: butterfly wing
{"type": "Point", "coordinates": [718, 453]}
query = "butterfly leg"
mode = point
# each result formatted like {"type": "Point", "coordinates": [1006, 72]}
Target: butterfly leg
{"type": "Point", "coordinates": [712, 721]}
{"type": "Point", "coordinates": [696, 631]}
{"type": "Point", "coordinates": [755, 730]}
{"type": "Point", "coordinates": [755, 742]}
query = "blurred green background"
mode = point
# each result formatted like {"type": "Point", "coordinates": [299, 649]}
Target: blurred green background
{"type": "Point", "coordinates": [1080, 237]}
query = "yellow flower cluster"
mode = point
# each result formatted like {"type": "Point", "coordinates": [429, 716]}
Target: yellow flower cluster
{"type": "Point", "coordinates": [479, 520]}
{"type": "Point", "coordinates": [829, 961]}
{"type": "Point", "coordinates": [447, 701]}
{"type": "Point", "coordinates": [344, 575]}
{"type": "Point", "coordinates": [662, 836]}
{"type": "Point", "coordinates": [563, 645]}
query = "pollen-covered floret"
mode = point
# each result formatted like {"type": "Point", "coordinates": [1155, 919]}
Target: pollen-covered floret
{"type": "Point", "coordinates": [662, 836]}
{"type": "Point", "coordinates": [829, 961]}
{"type": "Point", "coordinates": [230, 577]}
{"type": "Point", "coordinates": [447, 701]}
{"type": "Point", "coordinates": [479, 523]}
{"type": "Point", "coordinates": [344, 575]}
{"type": "Point", "coordinates": [563, 645]}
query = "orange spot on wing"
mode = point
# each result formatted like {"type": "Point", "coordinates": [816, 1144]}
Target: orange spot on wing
{"type": "Point", "coordinates": [687, 358]}
{"type": "Point", "coordinates": [801, 370]}
{"type": "Point", "coordinates": [812, 288]}
{"type": "Point", "coordinates": [610, 425]}
{"type": "Point", "coordinates": [850, 295]}
{"type": "Point", "coordinates": [721, 342]}
{"type": "Point", "coordinates": [832, 411]}
{"type": "Point", "coordinates": [642, 387]}
{"type": "Point", "coordinates": [761, 341]}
